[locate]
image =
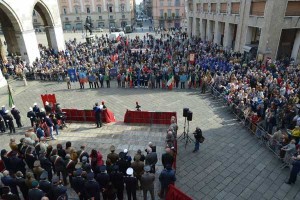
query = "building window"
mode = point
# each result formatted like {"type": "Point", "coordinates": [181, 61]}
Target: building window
{"type": "Point", "coordinates": [88, 10]}
{"type": "Point", "coordinates": [161, 3]}
{"type": "Point", "coordinates": [76, 10]}
{"type": "Point", "coordinates": [65, 11]}
{"type": "Point", "coordinates": [213, 8]}
{"type": "Point", "coordinates": [99, 9]}
{"type": "Point", "coordinates": [100, 17]}
{"type": "Point", "coordinates": [35, 20]}
{"type": "Point", "coordinates": [122, 7]}
{"type": "Point", "coordinates": [223, 8]}
{"type": "Point", "coordinates": [77, 18]}
{"type": "Point", "coordinates": [161, 12]}
{"type": "Point", "coordinates": [235, 8]}
{"type": "Point", "coordinates": [258, 8]}
{"type": "Point", "coordinates": [33, 13]}
{"type": "Point", "coordinates": [169, 3]}
{"type": "Point", "coordinates": [177, 12]}
{"type": "Point", "coordinates": [110, 9]}
{"type": "Point", "coordinates": [292, 8]}
{"type": "Point", "coordinates": [111, 17]}
{"type": "Point", "coordinates": [169, 12]}
{"type": "Point", "coordinates": [66, 18]}
{"type": "Point", "coordinates": [205, 7]}
{"type": "Point", "coordinates": [177, 2]}
{"type": "Point", "coordinates": [123, 16]}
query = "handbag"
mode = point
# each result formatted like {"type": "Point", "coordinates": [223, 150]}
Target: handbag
{"type": "Point", "coordinates": [201, 140]}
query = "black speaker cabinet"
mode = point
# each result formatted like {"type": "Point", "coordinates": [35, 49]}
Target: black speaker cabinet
{"type": "Point", "coordinates": [189, 115]}
{"type": "Point", "coordinates": [185, 111]}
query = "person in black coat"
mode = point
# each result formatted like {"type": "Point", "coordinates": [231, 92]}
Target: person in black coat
{"type": "Point", "coordinates": [295, 170]}
{"type": "Point", "coordinates": [167, 158]}
{"type": "Point", "coordinates": [32, 116]}
{"type": "Point", "coordinates": [117, 180]}
{"type": "Point", "coordinates": [46, 164]}
{"type": "Point", "coordinates": [98, 110]}
{"type": "Point", "coordinates": [7, 180]}
{"type": "Point", "coordinates": [10, 122]}
{"type": "Point", "coordinates": [5, 159]}
{"type": "Point", "coordinates": [36, 109]}
{"type": "Point", "coordinates": [20, 182]}
{"type": "Point", "coordinates": [78, 183]}
{"type": "Point", "coordinates": [17, 116]}
{"type": "Point", "coordinates": [131, 184]}
{"type": "Point", "coordinates": [123, 163]}
{"type": "Point", "coordinates": [57, 189]}
{"type": "Point", "coordinates": [35, 193]}
{"type": "Point", "coordinates": [92, 188]}
{"type": "Point", "coordinates": [103, 179]}
{"type": "Point", "coordinates": [44, 184]}
{"type": "Point", "coordinates": [48, 108]}
{"type": "Point", "coordinates": [2, 124]}
{"type": "Point", "coordinates": [16, 163]}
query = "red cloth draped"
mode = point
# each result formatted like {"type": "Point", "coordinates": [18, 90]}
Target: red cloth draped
{"type": "Point", "coordinates": [108, 116]}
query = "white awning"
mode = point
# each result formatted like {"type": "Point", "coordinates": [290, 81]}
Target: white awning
{"type": "Point", "coordinates": [247, 48]}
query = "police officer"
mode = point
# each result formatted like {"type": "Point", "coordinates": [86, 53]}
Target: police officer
{"type": "Point", "coordinates": [92, 188]}
{"type": "Point", "coordinates": [103, 179]}
{"type": "Point", "coordinates": [131, 183]}
{"type": "Point", "coordinates": [36, 109]}
{"type": "Point", "coordinates": [10, 122]}
{"type": "Point", "coordinates": [117, 180]}
{"type": "Point", "coordinates": [32, 116]}
{"type": "Point", "coordinates": [78, 183]}
{"type": "Point", "coordinates": [48, 108]}
{"type": "Point", "coordinates": [44, 184]}
{"type": "Point", "coordinates": [35, 193]}
{"type": "Point", "coordinates": [112, 156]}
{"type": "Point", "coordinates": [16, 114]}
{"type": "Point", "coordinates": [2, 124]}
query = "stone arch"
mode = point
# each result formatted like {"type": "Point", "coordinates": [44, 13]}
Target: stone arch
{"type": "Point", "coordinates": [10, 25]}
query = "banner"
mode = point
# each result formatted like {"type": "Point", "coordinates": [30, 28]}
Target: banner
{"type": "Point", "coordinates": [72, 75]}
{"type": "Point", "coordinates": [82, 77]}
{"type": "Point", "coordinates": [10, 98]}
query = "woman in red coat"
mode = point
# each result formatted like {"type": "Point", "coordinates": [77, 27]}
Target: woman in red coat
{"type": "Point", "coordinates": [96, 159]}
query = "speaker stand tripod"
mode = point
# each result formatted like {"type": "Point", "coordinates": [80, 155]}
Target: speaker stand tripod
{"type": "Point", "coordinates": [185, 135]}
{"type": "Point", "coordinates": [182, 136]}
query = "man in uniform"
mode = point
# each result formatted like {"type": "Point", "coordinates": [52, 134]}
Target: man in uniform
{"type": "Point", "coordinates": [131, 183]}
{"type": "Point", "coordinates": [10, 122]}
{"type": "Point", "coordinates": [117, 180]}
{"type": "Point", "coordinates": [44, 184]}
{"type": "Point", "coordinates": [20, 182]}
{"type": "Point", "coordinates": [78, 184]}
{"type": "Point", "coordinates": [16, 114]}
{"type": "Point", "coordinates": [103, 179]}
{"type": "Point", "coordinates": [48, 108]}
{"type": "Point", "coordinates": [57, 190]}
{"type": "Point", "coordinates": [36, 109]}
{"type": "Point", "coordinates": [46, 163]}
{"type": "Point", "coordinates": [112, 155]}
{"type": "Point", "coordinates": [92, 187]}
{"type": "Point", "coordinates": [98, 110]}
{"type": "Point", "coordinates": [35, 193]}
{"type": "Point", "coordinates": [147, 182]}
{"type": "Point", "coordinates": [32, 116]}
{"type": "Point", "coordinates": [138, 168]}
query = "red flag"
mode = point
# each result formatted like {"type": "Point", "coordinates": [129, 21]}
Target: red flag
{"type": "Point", "coordinates": [119, 38]}
{"type": "Point", "coordinates": [127, 42]}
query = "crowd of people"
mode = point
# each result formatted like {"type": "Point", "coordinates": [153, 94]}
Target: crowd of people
{"type": "Point", "coordinates": [35, 170]}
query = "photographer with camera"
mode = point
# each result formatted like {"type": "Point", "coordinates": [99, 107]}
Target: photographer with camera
{"type": "Point", "coordinates": [198, 139]}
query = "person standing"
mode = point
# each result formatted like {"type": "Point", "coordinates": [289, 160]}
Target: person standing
{"type": "Point", "coordinates": [131, 183]}
{"type": "Point", "coordinates": [68, 80]}
{"type": "Point", "coordinates": [32, 116]}
{"type": "Point", "coordinates": [78, 183]}
{"type": "Point", "coordinates": [17, 116]}
{"type": "Point", "coordinates": [35, 193]}
{"type": "Point", "coordinates": [50, 124]}
{"type": "Point", "coordinates": [295, 170]}
{"type": "Point", "coordinates": [198, 139]}
{"type": "Point", "coordinates": [107, 79]}
{"type": "Point", "coordinates": [166, 177]}
{"type": "Point", "coordinates": [98, 110]}
{"type": "Point", "coordinates": [92, 188]}
{"type": "Point", "coordinates": [151, 159]}
{"type": "Point", "coordinates": [10, 122]}
{"type": "Point", "coordinates": [147, 182]}
{"type": "Point", "coordinates": [138, 168]}
{"type": "Point", "coordinates": [112, 156]}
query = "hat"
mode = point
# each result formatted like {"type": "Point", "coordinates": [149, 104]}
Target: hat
{"type": "Point", "coordinates": [46, 103]}
{"type": "Point", "coordinates": [34, 183]}
{"type": "Point", "coordinates": [13, 106]}
{"type": "Point", "coordinates": [102, 168]}
{"type": "Point", "coordinates": [55, 180]}
{"type": "Point", "coordinates": [147, 168]}
{"type": "Point", "coordinates": [90, 176]}
{"type": "Point", "coordinates": [84, 159]}
{"type": "Point", "coordinates": [37, 163]}
{"type": "Point", "coordinates": [44, 175]}
{"type": "Point", "coordinates": [129, 171]}
{"type": "Point", "coordinates": [6, 111]}
{"type": "Point", "coordinates": [3, 106]}
{"type": "Point", "coordinates": [125, 151]}
{"type": "Point", "coordinates": [30, 109]}
{"type": "Point", "coordinates": [112, 148]}
{"type": "Point", "coordinates": [35, 104]}
{"type": "Point", "coordinates": [78, 172]}
{"type": "Point", "coordinates": [19, 174]}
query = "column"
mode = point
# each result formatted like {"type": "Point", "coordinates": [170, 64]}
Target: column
{"type": "Point", "coordinates": [295, 51]}
{"type": "Point", "coordinates": [116, 6]}
{"type": "Point", "coordinates": [217, 37]}
{"type": "Point", "coordinates": [209, 31]}
{"type": "Point", "coordinates": [194, 24]}
{"type": "Point", "coordinates": [70, 6]}
{"type": "Point", "coordinates": [28, 45]}
{"type": "Point", "coordinates": [228, 37]}
{"type": "Point", "coordinates": [55, 38]}
{"type": "Point", "coordinates": [93, 6]}
{"type": "Point", "coordinates": [190, 25]}
{"type": "Point", "coordinates": [203, 29]}
{"type": "Point", "coordinates": [81, 6]}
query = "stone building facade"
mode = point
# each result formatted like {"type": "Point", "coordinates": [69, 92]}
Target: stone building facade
{"type": "Point", "coordinates": [17, 26]}
{"type": "Point", "coordinates": [259, 28]}
{"type": "Point", "coordinates": [104, 13]}
{"type": "Point", "coordinates": [168, 13]}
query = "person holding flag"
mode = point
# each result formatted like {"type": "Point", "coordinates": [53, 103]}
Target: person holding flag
{"type": "Point", "coordinates": [170, 82]}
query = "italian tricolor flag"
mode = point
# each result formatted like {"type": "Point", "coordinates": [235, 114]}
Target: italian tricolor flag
{"type": "Point", "coordinates": [170, 82]}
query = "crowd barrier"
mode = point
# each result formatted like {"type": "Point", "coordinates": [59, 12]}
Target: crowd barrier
{"type": "Point", "coordinates": [175, 193]}
{"type": "Point", "coordinates": [147, 117]}
{"type": "Point", "coordinates": [76, 115]}
{"type": "Point", "coordinates": [256, 128]}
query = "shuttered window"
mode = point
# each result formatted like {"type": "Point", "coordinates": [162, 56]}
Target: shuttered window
{"type": "Point", "coordinates": [223, 8]}
{"type": "Point", "coordinates": [293, 8]}
{"type": "Point", "coordinates": [235, 8]}
{"type": "Point", "coordinates": [213, 7]}
{"type": "Point", "coordinates": [198, 7]}
{"type": "Point", "coordinates": [258, 8]}
{"type": "Point", "coordinates": [205, 7]}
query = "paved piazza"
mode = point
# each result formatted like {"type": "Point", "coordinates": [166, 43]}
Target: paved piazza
{"type": "Point", "coordinates": [231, 163]}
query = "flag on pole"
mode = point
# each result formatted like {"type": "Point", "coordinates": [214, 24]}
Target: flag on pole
{"type": "Point", "coordinates": [170, 83]}
{"type": "Point", "coordinates": [10, 98]}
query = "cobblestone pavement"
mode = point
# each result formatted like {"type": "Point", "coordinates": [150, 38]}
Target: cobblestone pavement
{"type": "Point", "coordinates": [231, 163]}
